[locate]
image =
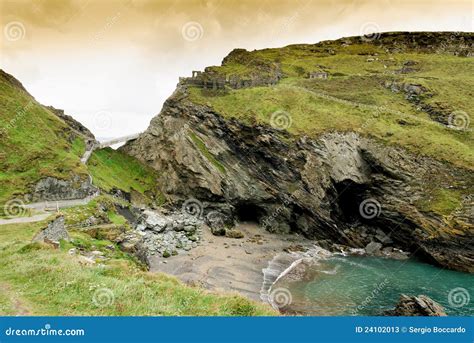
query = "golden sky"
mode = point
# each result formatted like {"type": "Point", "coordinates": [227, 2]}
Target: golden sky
{"type": "Point", "coordinates": [112, 63]}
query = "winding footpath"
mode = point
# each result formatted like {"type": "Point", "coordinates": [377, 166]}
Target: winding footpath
{"type": "Point", "coordinates": [46, 208]}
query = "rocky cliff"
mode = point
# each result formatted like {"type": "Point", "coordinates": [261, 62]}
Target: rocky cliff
{"type": "Point", "coordinates": [343, 186]}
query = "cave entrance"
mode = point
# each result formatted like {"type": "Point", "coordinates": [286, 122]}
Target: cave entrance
{"type": "Point", "coordinates": [248, 212]}
{"type": "Point", "coordinates": [349, 197]}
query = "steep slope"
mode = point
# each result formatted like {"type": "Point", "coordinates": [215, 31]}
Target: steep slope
{"type": "Point", "coordinates": [354, 141]}
{"type": "Point", "coordinates": [113, 170]}
{"type": "Point", "coordinates": [40, 156]}
{"type": "Point", "coordinates": [37, 147]}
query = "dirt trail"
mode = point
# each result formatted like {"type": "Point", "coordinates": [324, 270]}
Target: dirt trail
{"type": "Point", "coordinates": [19, 220]}
{"type": "Point", "coordinates": [17, 304]}
{"type": "Point", "coordinates": [46, 209]}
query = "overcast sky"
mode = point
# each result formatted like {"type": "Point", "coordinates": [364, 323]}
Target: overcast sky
{"type": "Point", "coordinates": [111, 63]}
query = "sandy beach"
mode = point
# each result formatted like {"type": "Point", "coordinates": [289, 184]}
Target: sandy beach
{"type": "Point", "coordinates": [222, 263]}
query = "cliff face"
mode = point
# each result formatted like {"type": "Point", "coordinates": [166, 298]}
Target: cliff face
{"type": "Point", "coordinates": [342, 186]}
{"type": "Point", "coordinates": [72, 123]}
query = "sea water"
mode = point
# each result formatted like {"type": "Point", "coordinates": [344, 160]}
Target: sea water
{"type": "Point", "coordinates": [361, 285]}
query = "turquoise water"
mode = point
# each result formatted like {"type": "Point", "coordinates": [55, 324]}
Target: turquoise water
{"type": "Point", "coordinates": [369, 285]}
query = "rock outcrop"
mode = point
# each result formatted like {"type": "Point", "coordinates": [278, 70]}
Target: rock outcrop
{"type": "Point", "coordinates": [72, 123]}
{"type": "Point", "coordinates": [335, 187]}
{"type": "Point", "coordinates": [54, 233]}
{"type": "Point", "coordinates": [417, 306]}
{"type": "Point", "coordinates": [52, 189]}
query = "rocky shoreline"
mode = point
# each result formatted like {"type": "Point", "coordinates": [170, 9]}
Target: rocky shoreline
{"type": "Point", "coordinates": [249, 262]}
{"type": "Point", "coordinates": [257, 264]}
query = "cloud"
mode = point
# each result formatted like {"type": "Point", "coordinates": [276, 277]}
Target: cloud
{"type": "Point", "coordinates": [126, 55]}
{"type": "Point", "coordinates": [53, 14]}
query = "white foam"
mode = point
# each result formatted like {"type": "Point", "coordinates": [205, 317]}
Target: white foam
{"type": "Point", "coordinates": [283, 263]}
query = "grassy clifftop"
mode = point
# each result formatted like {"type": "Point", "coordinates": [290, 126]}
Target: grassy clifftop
{"type": "Point", "coordinates": [415, 91]}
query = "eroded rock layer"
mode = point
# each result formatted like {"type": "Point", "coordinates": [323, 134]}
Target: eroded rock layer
{"type": "Point", "coordinates": [342, 187]}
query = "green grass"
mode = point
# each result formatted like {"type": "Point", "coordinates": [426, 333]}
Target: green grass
{"type": "Point", "coordinates": [354, 97]}
{"type": "Point", "coordinates": [34, 143]}
{"type": "Point", "coordinates": [116, 218]}
{"type": "Point", "coordinates": [442, 201]}
{"type": "Point", "coordinates": [112, 169]}
{"type": "Point", "coordinates": [203, 149]}
{"type": "Point", "coordinates": [47, 281]}
{"type": "Point", "coordinates": [78, 214]}
{"type": "Point", "coordinates": [7, 304]}
{"type": "Point", "coordinates": [78, 146]}
{"type": "Point", "coordinates": [103, 208]}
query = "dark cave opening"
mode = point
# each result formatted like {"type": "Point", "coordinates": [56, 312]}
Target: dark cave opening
{"type": "Point", "coordinates": [248, 212]}
{"type": "Point", "coordinates": [349, 197]}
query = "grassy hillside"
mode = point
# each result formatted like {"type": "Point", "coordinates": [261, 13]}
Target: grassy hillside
{"type": "Point", "coordinates": [112, 169]}
{"type": "Point", "coordinates": [36, 279]}
{"type": "Point", "coordinates": [34, 143]}
{"type": "Point", "coordinates": [363, 93]}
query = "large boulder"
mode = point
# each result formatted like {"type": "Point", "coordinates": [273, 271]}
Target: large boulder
{"type": "Point", "coordinates": [54, 233]}
{"type": "Point", "coordinates": [416, 306]}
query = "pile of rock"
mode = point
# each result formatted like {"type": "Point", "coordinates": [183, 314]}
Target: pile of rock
{"type": "Point", "coordinates": [170, 234]}
{"type": "Point", "coordinates": [375, 241]}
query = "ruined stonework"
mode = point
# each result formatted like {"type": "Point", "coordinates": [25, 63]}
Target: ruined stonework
{"type": "Point", "coordinates": [266, 74]}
